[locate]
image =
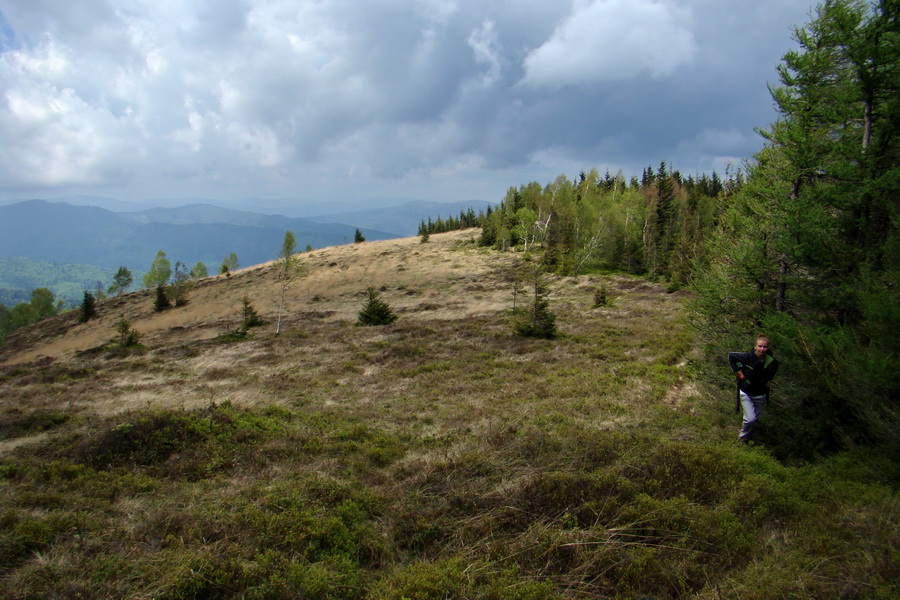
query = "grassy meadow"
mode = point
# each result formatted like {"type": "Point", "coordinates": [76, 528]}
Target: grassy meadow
{"type": "Point", "coordinates": [437, 457]}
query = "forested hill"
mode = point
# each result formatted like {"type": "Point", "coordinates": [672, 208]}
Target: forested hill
{"type": "Point", "coordinates": [63, 233]}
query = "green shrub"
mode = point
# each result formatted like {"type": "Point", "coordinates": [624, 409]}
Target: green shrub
{"type": "Point", "coordinates": [375, 311]}
{"type": "Point", "coordinates": [15, 423]}
{"type": "Point", "coordinates": [460, 578]}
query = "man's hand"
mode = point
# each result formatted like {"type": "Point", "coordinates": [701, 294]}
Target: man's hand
{"type": "Point", "coordinates": [740, 375]}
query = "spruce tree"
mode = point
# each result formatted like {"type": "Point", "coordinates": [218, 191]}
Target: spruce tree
{"type": "Point", "coordinates": [375, 311]}
{"type": "Point", "coordinates": [88, 308]}
{"type": "Point", "coordinates": [539, 321]}
{"type": "Point", "coordinates": [161, 302]}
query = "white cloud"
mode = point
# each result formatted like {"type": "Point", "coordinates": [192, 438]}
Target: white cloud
{"type": "Point", "coordinates": [484, 44]}
{"type": "Point", "coordinates": [224, 98]}
{"type": "Point", "coordinates": [607, 40]}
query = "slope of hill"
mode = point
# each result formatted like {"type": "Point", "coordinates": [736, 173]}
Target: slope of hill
{"type": "Point", "coordinates": [437, 457]}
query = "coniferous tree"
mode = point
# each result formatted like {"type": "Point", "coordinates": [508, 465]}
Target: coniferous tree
{"type": "Point", "coordinates": [810, 248]}
{"type": "Point", "coordinates": [88, 308]}
{"type": "Point", "coordinates": [375, 311]}
{"type": "Point", "coordinates": [249, 316]}
{"type": "Point", "coordinates": [161, 301]}
{"type": "Point", "coordinates": [358, 237]}
{"type": "Point", "coordinates": [538, 321]}
{"type": "Point", "coordinates": [128, 337]}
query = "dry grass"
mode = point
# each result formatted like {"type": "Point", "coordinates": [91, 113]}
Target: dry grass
{"type": "Point", "coordinates": [440, 456]}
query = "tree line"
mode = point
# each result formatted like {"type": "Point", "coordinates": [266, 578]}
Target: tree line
{"type": "Point", "coordinates": [804, 245]}
{"type": "Point", "coordinates": [653, 225]}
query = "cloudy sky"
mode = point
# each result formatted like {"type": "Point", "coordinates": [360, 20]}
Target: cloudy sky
{"type": "Point", "coordinates": [317, 106]}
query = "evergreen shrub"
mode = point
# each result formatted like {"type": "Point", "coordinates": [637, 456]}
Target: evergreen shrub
{"type": "Point", "coordinates": [375, 310]}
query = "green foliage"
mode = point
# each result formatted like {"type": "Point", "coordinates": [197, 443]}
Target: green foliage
{"type": "Point", "coordinates": [43, 304]}
{"type": "Point", "coordinates": [150, 439]}
{"type": "Point", "coordinates": [181, 286]}
{"type": "Point", "coordinates": [459, 578]}
{"type": "Point", "coordinates": [358, 237]}
{"type": "Point", "coordinates": [601, 296]}
{"type": "Point", "coordinates": [88, 308]}
{"type": "Point", "coordinates": [128, 337]}
{"type": "Point", "coordinates": [160, 271]}
{"type": "Point", "coordinates": [599, 223]}
{"type": "Point", "coordinates": [67, 282]}
{"type": "Point", "coordinates": [288, 270]}
{"type": "Point", "coordinates": [375, 311]}
{"type": "Point", "coordinates": [249, 316]}
{"type": "Point", "coordinates": [538, 321]}
{"type": "Point", "coordinates": [466, 220]}
{"type": "Point", "coordinates": [18, 423]}
{"type": "Point", "coordinates": [161, 300]}
{"type": "Point", "coordinates": [122, 280]}
{"type": "Point", "coordinates": [809, 249]}
{"type": "Point", "coordinates": [229, 264]}
{"type": "Point", "coordinates": [199, 271]}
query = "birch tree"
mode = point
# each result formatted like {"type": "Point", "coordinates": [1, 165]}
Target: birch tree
{"type": "Point", "coordinates": [288, 270]}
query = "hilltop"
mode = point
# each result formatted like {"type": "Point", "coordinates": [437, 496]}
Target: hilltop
{"type": "Point", "coordinates": [440, 456]}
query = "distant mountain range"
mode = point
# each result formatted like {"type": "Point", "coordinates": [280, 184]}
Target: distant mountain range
{"type": "Point", "coordinates": [66, 234]}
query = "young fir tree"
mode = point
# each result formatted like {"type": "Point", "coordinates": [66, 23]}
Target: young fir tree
{"type": "Point", "coordinates": [128, 337]}
{"type": "Point", "coordinates": [375, 311]}
{"type": "Point", "coordinates": [161, 302]}
{"type": "Point", "coordinates": [88, 308]}
{"type": "Point", "coordinates": [538, 321]}
{"type": "Point", "coordinates": [249, 316]}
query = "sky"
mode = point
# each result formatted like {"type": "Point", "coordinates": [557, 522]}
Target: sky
{"type": "Point", "coordinates": [316, 106]}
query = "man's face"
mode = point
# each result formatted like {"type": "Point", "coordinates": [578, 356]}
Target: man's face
{"type": "Point", "coordinates": [761, 347]}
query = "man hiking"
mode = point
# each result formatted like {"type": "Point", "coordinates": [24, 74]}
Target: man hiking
{"type": "Point", "coordinates": [755, 371]}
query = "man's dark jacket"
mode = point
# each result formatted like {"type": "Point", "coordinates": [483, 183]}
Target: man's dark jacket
{"type": "Point", "coordinates": [757, 371]}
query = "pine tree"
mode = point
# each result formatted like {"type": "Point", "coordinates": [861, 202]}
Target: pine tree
{"type": "Point", "coordinates": [539, 321]}
{"type": "Point", "coordinates": [161, 301]}
{"type": "Point", "coordinates": [88, 308]}
{"type": "Point", "coordinates": [375, 311]}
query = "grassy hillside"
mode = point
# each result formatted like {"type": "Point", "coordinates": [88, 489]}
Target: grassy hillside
{"type": "Point", "coordinates": [437, 457]}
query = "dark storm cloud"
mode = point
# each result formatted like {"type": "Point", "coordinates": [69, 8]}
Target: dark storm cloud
{"type": "Point", "coordinates": [385, 97]}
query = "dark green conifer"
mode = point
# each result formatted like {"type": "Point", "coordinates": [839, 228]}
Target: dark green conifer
{"type": "Point", "coordinates": [161, 302]}
{"type": "Point", "coordinates": [88, 308]}
{"type": "Point", "coordinates": [375, 311]}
